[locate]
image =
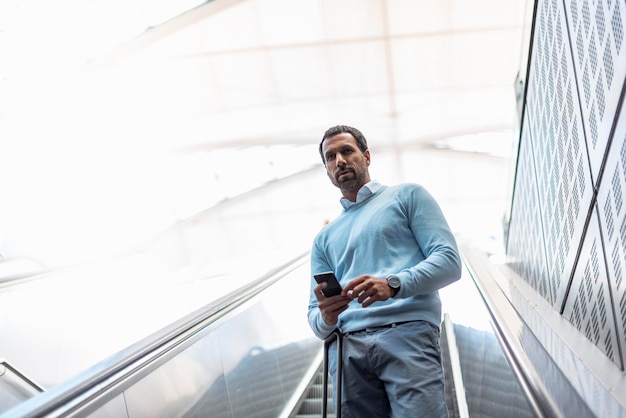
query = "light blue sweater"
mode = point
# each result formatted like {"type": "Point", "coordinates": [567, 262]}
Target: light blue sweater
{"type": "Point", "coordinates": [397, 230]}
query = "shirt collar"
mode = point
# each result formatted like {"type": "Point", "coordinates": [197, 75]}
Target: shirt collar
{"type": "Point", "coordinates": [364, 193]}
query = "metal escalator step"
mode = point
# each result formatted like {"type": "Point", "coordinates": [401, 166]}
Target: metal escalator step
{"type": "Point", "coordinates": [312, 404]}
{"type": "Point", "coordinates": [317, 391]}
{"type": "Point", "coordinates": [313, 416]}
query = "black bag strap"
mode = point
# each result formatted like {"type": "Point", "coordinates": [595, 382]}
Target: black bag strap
{"type": "Point", "coordinates": [338, 336]}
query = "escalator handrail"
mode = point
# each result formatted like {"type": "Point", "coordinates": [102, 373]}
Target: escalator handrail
{"type": "Point", "coordinates": [538, 398]}
{"type": "Point", "coordinates": [23, 378]}
{"type": "Point", "coordinates": [456, 371]}
{"type": "Point", "coordinates": [87, 386]}
{"type": "Point", "coordinates": [38, 270]}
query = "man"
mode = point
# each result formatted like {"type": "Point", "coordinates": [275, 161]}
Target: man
{"type": "Point", "coordinates": [391, 249]}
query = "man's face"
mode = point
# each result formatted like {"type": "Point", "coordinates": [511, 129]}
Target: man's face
{"type": "Point", "coordinates": [346, 165]}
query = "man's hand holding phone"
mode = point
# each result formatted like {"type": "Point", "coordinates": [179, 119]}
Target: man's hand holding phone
{"type": "Point", "coordinates": [329, 299]}
{"type": "Point", "coordinates": [333, 287]}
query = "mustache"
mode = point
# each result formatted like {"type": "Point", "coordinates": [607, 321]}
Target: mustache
{"type": "Point", "coordinates": [342, 171]}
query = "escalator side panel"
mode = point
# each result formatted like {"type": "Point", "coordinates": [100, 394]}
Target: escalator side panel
{"type": "Point", "coordinates": [247, 364]}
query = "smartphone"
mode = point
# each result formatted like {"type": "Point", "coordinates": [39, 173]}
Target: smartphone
{"type": "Point", "coordinates": [333, 288]}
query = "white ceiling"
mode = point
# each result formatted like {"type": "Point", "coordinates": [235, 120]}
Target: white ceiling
{"type": "Point", "coordinates": [88, 95]}
{"type": "Point", "coordinates": [270, 70]}
{"type": "Point", "coordinates": [278, 71]}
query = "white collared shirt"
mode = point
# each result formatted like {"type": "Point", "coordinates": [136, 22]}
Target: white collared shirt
{"type": "Point", "coordinates": [367, 190]}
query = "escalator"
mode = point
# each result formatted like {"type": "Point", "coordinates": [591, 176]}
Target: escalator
{"type": "Point", "coordinates": [479, 380]}
{"type": "Point", "coordinates": [311, 405]}
{"type": "Point", "coordinates": [15, 387]}
{"type": "Point", "coordinates": [245, 354]}
{"type": "Point", "coordinates": [251, 354]}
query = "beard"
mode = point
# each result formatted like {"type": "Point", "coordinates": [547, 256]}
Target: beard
{"type": "Point", "coordinates": [352, 180]}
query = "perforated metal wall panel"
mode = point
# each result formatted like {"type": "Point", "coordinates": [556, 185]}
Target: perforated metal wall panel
{"type": "Point", "coordinates": [570, 185]}
{"type": "Point", "coordinates": [526, 252]}
{"type": "Point", "coordinates": [562, 169]}
{"type": "Point", "coordinates": [612, 214]}
{"type": "Point", "coordinates": [597, 35]}
{"type": "Point", "coordinates": [588, 306]}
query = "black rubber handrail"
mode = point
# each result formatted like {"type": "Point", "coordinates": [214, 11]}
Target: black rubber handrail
{"type": "Point", "coordinates": [113, 372]}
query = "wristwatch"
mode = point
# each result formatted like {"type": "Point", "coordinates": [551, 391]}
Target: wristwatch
{"type": "Point", "coordinates": [394, 284]}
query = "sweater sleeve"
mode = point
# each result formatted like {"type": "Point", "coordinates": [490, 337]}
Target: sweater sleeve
{"type": "Point", "coordinates": [442, 263]}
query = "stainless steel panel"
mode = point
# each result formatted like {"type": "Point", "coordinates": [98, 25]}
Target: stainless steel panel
{"type": "Point", "coordinates": [116, 408]}
{"type": "Point", "coordinates": [175, 386]}
{"type": "Point", "coordinates": [247, 364]}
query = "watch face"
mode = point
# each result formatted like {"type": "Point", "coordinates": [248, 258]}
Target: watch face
{"type": "Point", "coordinates": [393, 282]}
